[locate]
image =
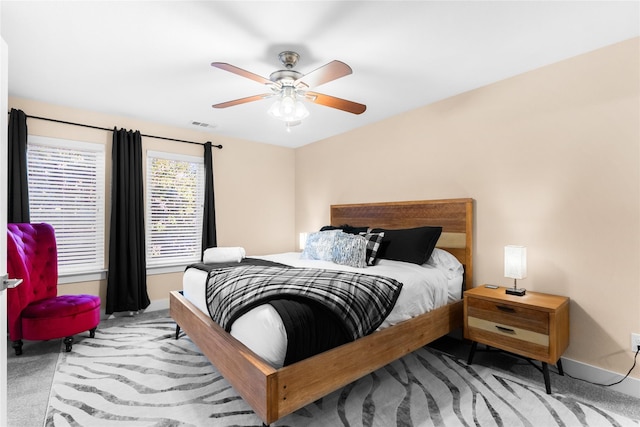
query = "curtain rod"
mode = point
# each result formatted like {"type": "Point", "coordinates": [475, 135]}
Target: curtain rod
{"type": "Point", "coordinates": [110, 130]}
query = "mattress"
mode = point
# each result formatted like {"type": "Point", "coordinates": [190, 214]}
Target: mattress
{"type": "Point", "coordinates": [425, 287]}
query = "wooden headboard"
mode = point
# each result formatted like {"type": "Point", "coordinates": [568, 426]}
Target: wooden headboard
{"type": "Point", "coordinates": [455, 216]}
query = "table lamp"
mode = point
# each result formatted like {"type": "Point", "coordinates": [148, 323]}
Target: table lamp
{"type": "Point", "coordinates": [515, 267]}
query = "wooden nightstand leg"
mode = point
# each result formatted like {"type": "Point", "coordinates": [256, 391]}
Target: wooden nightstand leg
{"type": "Point", "coordinates": [559, 365]}
{"type": "Point", "coordinates": [545, 373]}
{"type": "Point", "coordinates": [474, 345]}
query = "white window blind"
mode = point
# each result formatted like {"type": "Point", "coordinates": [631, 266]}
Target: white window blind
{"type": "Point", "coordinates": [175, 204]}
{"type": "Point", "coordinates": [66, 190]}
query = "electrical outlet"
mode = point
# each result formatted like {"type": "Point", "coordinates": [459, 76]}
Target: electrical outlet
{"type": "Point", "coordinates": [635, 342]}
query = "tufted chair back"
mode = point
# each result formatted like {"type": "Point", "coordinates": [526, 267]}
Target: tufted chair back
{"type": "Point", "coordinates": [33, 257]}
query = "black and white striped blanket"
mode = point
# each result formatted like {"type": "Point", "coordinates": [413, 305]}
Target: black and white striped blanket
{"type": "Point", "coordinates": [363, 301]}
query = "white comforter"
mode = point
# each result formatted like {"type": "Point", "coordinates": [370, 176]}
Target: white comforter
{"type": "Point", "coordinates": [424, 288]}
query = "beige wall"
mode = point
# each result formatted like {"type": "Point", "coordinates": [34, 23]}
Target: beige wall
{"type": "Point", "coordinates": [254, 183]}
{"type": "Point", "coordinates": [552, 159]}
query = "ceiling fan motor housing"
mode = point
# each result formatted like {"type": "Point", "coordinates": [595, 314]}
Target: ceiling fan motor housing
{"type": "Point", "coordinates": [285, 77]}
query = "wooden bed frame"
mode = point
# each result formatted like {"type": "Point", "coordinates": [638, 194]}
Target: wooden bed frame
{"type": "Point", "coordinates": [274, 393]}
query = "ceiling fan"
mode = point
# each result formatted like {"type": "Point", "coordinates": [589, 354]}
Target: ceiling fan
{"type": "Point", "coordinates": [290, 87]}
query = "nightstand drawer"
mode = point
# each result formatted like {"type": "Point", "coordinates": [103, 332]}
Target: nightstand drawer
{"type": "Point", "coordinates": [508, 337]}
{"type": "Point", "coordinates": [511, 316]}
{"type": "Point", "coordinates": [509, 331]}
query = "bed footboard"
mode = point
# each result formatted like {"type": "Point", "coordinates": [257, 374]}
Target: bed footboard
{"type": "Point", "coordinates": [275, 393]}
{"type": "Point", "coordinates": [252, 377]}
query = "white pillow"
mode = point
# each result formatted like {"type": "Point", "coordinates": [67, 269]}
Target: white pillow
{"type": "Point", "coordinates": [446, 262]}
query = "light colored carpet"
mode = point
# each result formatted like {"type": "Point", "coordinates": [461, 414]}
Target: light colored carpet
{"type": "Point", "coordinates": [136, 374]}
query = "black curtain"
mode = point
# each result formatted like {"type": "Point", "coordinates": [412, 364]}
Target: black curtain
{"type": "Point", "coordinates": [18, 189]}
{"type": "Point", "coordinates": [127, 277]}
{"type": "Point", "coordinates": [209, 238]}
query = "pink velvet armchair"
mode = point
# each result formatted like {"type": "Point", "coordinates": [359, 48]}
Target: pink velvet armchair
{"type": "Point", "coordinates": [34, 309]}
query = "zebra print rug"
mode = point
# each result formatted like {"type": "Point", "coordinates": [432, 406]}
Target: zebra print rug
{"type": "Point", "coordinates": [137, 374]}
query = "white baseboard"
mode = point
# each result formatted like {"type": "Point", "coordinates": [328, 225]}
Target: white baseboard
{"type": "Point", "coordinates": [630, 385]}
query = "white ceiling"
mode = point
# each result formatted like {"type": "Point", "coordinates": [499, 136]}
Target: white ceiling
{"type": "Point", "coordinates": [151, 60]}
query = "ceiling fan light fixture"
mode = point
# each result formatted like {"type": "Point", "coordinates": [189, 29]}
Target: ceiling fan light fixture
{"type": "Point", "coordinates": [288, 108]}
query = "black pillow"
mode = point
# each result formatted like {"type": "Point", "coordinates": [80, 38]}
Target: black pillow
{"type": "Point", "coordinates": [413, 245]}
{"type": "Point", "coordinates": [346, 228]}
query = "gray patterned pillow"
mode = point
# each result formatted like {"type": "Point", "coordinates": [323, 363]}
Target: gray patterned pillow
{"type": "Point", "coordinates": [320, 245]}
{"type": "Point", "coordinates": [350, 249]}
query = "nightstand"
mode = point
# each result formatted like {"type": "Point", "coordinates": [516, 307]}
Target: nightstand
{"type": "Point", "coordinates": [535, 326]}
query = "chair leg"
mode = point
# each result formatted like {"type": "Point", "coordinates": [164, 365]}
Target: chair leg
{"type": "Point", "coordinates": [92, 332]}
{"type": "Point", "coordinates": [17, 346]}
{"type": "Point", "coordinates": [177, 330]}
{"type": "Point", "coordinates": [68, 341]}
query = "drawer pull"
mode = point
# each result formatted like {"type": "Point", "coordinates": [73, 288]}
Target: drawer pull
{"type": "Point", "coordinates": [506, 308]}
{"type": "Point", "coordinates": [507, 330]}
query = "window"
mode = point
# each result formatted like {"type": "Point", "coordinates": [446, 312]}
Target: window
{"type": "Point", "coordinates": [175, 194]}
{"type": "Point", "coordinates": [66, 190]}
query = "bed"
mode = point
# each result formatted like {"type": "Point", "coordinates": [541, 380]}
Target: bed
{"type": "Point", "coordinates": [275, 392]}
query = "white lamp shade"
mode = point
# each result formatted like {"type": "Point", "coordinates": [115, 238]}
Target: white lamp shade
{"type": "Point", "coordinates": [515, 262]}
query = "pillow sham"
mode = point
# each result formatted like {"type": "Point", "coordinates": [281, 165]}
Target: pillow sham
{"type": "Point", "coordinates": [446, 262]}
{"type": "Point", "coordinates": [374, 242]}
{"type": "Point", "coordinates": [413, 245]}
{"type": "Point", "coordinates": [319, 245]}
{"type": "Point", "coordinates": [349, 249]}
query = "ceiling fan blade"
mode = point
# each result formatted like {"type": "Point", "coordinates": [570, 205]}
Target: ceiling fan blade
{"type": "Point", "coordinates": [333, 102]}
{"type": "Point", "coordinates": [242, 100]}
{"type": "Point", "coordinates": [241, 72]}
{"type": "Point", "coordinates": [328, 72]}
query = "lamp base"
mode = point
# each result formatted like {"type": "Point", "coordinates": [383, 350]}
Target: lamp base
{"type": "Point", "coordinates": [516, 291]}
